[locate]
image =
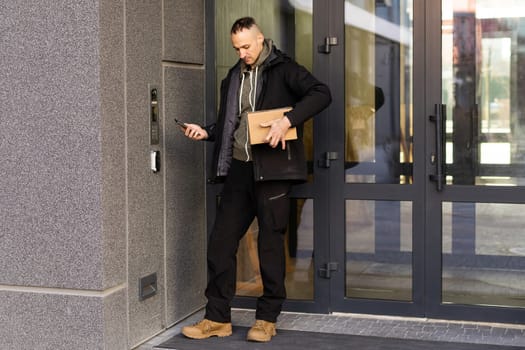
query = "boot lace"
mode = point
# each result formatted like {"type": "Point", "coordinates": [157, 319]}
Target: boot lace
{"type": "Point", "coordinates": [204, 324]}
{"type": "Point", "coordinates": [259, 324]}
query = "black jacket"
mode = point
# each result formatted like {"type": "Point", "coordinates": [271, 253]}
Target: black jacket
{"type": "Point", "coordinates": [284, 83]}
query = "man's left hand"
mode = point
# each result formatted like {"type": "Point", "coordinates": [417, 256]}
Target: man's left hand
{"type": "Point", "coordinates": [278, 129]}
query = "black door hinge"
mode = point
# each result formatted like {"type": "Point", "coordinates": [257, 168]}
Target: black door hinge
{"type": "Point", "coordinates": [327, 269]}
{"type": "Point", "coordinates": [326, 47]}
{"type": "Point", "coordinates": [327, 157]}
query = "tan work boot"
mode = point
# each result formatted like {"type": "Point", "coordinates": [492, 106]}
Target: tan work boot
{"type": "Point", "coordinates": [207, 328]}
{"type": "Point", "coordinates": [262, 331]}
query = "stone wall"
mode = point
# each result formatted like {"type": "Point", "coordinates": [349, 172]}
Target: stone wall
{"type": "Point", "coordinates": [82, 216]}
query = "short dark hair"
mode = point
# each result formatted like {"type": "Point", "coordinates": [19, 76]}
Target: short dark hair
{"type": "Point", "coordinates": [243, 23]}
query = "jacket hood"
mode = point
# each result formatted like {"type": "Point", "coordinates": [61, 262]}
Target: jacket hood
{"type": "Point", "coordinates": [276, 57]}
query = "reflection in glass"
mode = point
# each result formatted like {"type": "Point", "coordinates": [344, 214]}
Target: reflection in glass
{"type": "Point", "coordinates": [299, 256]}
{"type": "Point", "coordinates": [484, 254]}
{"type": "Point", "coordinates": [378, 91]}
{"type": "Point", "coordinates": [379, 250]}
{"type": "Point", "coordinates": [483, 60]}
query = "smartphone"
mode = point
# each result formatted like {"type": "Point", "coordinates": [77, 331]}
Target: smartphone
{"type": "Point", "coordinates": [183, 125]}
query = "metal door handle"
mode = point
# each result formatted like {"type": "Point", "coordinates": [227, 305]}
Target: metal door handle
{"type": "Point", "coordinates": [437, 158]}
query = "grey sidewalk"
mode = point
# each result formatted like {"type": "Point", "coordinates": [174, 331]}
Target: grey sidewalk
{"type": "Point", "coordinates": [381, 326]}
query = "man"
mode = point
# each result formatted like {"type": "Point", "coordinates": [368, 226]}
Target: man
{"type": "Point", "coordinates": [257, 178]}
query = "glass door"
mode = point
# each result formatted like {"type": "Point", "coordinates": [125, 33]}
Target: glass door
{"type": "Point", "coordinates": [376, 191]}
{"type": "Point", "coordinates": [426, 171]}
{"type": "Point", "coordinates": [476, 147]}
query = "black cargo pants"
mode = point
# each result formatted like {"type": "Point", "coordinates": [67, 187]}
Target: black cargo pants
{"type": "Point", "coordinates": [242, 200]}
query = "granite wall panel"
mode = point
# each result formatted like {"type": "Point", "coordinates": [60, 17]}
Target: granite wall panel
{"type": "Point", "coordinates": [50, 202]}
{"type": "Point", "coordinates": [113, 141]}
{"type": "Point", "coordinates": [114, 310]}
{"type": "Point", "coordinates": [185, 194]}
{"type": "Point", "coordinates": [184, 31]}
{"type": "Point", "coordinates": [42, 320]}
{"type": "Point", "coordinates": [145, 188]}
{"type": "Point", "coordinates": [62, 232]}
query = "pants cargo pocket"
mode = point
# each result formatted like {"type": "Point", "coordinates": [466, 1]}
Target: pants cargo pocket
{"type": "Point", "coordinates": [280, 210]}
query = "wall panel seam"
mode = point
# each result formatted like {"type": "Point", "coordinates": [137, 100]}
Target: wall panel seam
{"type": "Point", "coordinates": [175, 64]}
{"type": "Point", "coordinates": [64, 291]}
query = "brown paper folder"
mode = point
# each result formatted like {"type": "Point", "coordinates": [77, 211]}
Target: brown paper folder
{"type": "Point", "coordinates": [259, 133]}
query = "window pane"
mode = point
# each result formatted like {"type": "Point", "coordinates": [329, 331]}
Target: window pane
{"type": "Point", "coordinates": [484, 254]}
{"type": "Point", "coordinates": [378, 91]}
{"type": "Point", "coordinates": [483, 62]}
{"type": "Point", "coordinates": [379, 250]}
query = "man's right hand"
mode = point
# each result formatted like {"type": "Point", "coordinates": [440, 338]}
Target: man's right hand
{"type": "Point", "coordinates": [195, 132]}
